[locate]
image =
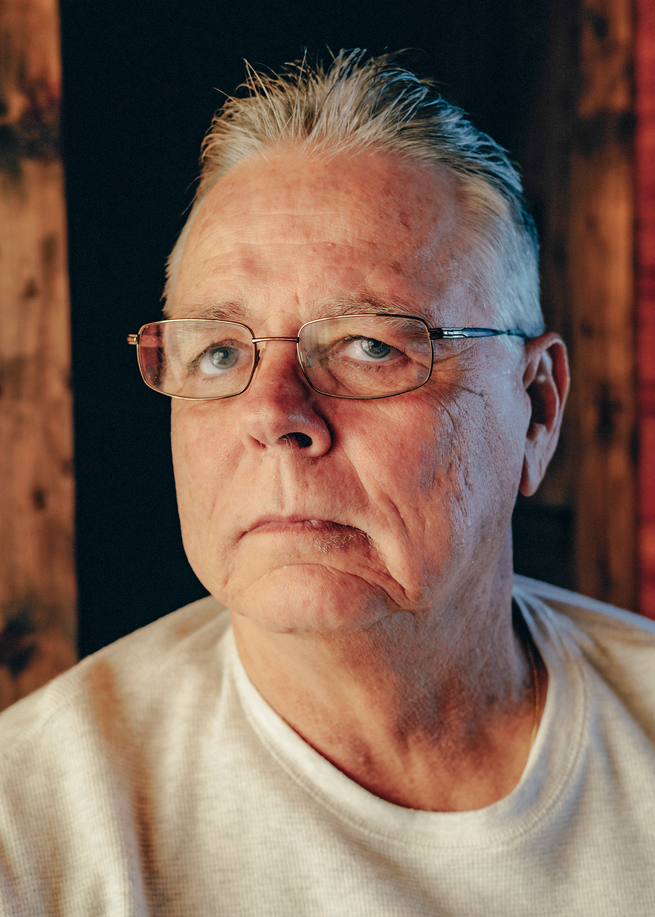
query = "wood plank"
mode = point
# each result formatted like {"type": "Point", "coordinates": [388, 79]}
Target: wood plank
{"type": "Point", "coordinates": [601, 288]}
{"type": "Point", "coordinates": [645, 182]}
{"type": "Point", "coordinates": [580, 178]}
{"type": "Point", "coordinates": [37, 578]}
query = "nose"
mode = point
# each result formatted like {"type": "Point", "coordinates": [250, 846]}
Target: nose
{"type": "Point", "coordinates": [279, 409]}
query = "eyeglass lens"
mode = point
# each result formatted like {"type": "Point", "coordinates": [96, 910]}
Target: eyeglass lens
{"type": "Point", "coordinates": [365, 356]}
{"type": "Point", "coordinates": [357, 356]}
{"type": "Point", "coordinates": [196, 358]}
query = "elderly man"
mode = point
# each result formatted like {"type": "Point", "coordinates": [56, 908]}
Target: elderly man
{"type": "Point", "coordinates": [387, 723]}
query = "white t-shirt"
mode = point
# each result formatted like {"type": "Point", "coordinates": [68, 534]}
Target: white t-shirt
{"type": "Point", "coordinates": [153, 779]}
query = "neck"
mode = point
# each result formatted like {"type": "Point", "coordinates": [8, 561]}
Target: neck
{"type": "Point", "coordinates": [427, 711]}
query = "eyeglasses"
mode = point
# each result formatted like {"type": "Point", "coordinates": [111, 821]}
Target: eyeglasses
{"type": "Point", "coordinates": [351, 356]}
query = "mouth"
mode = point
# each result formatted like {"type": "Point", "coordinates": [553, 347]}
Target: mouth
{"type": "Point", "coordinates": [292, 523]}
{"type": "Point", "coordinates": [329, 534]}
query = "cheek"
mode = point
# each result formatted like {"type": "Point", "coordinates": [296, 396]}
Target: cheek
{"type": "Point", "coordinates": [485, 475]}
{"type": "Point", "coordinates": [204, 463]}
{"type": "Point", "coordinates": [201, 461]}
{"type": "Point", "coordinates": [440, 472]}
{"type": "Point", "coordinates": [395, 451]}
{"type": "Point", "coordinates": [404, 460]}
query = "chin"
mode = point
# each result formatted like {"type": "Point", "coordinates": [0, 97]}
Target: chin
{"type": "Point", "coordinates": [308, 598]}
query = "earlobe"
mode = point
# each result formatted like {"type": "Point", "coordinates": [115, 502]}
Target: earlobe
{"type": "Point", "coordinates": [546, 382]}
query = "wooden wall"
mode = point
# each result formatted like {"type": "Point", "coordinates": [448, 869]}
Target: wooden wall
{"type": "Point", "coordinates": [37, 580]}
{"type": "Point", "coordinates": [580, 174]}
{"type": "Point", "coordinates": [645, 187]}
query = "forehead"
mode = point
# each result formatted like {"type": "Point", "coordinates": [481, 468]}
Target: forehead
{"type": "Point", "coordinates": [302, 230]}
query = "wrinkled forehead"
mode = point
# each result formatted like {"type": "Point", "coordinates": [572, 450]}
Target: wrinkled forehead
{"type": "Point", "coordinates": [316, 227]}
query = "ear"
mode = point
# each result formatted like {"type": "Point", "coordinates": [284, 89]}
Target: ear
{"type": "Point", "coordinates": [546, 381]}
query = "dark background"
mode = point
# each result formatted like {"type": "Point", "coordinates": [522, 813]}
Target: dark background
{"type": "Point", "coordinates": [140, 81]}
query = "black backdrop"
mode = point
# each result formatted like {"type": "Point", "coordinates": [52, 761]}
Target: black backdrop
{"type": "Point", "coordinates": [140, 81]}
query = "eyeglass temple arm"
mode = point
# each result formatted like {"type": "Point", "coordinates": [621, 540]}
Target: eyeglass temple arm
{"type": "Point", "coordinates": [438, 334]}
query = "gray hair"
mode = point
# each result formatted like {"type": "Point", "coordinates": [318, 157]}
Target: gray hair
{"type": "Point", "coordinates": [359, 103]}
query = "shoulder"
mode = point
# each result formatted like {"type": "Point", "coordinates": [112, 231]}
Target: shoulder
{"type": "Point", "coordinates": [87, 761]}
{"type": "Point", "coordinates": [617, 645]}
{"type": "Point", "coordinates": [123, 674]}
{"type": "Point", "coordinates": [597, 619]}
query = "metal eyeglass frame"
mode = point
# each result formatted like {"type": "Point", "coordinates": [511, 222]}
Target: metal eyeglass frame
{"type": "Point", "coordinates": [435, 334]}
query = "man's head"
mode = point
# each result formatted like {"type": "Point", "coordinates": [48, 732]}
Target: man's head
{"type": "Point", "coordinates": [371, 104]}
{"type": "Point", "coordinates": [308, 513]}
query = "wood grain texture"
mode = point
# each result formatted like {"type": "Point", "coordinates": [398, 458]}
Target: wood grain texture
{"type": "Point", "coordinates": [37, 578]}
{"type": "Point", "coordinates": [645, 167]}
{"type": "Point", "coordinates": [601, 291]}
{"type": "Point", "coordinates": [580, 177]}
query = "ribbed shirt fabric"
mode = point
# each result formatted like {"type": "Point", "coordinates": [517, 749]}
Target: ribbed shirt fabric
{"type": "Point", "coordinates": [153, 779]}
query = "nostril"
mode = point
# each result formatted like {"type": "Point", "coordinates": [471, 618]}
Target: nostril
{"type": "Point", "coordinates": [302, 440]}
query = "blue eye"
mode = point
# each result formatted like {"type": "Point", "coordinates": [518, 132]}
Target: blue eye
{"type": "Point", "coordinates": [224, 357]}
{"type": "Point", "coordinates": [218, 359]}
{"type": "Point", "coordinates": [367, 350]}
{"type": "Point", "coordinates": [377, 350]}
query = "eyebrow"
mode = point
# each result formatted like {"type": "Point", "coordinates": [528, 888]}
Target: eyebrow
{"type": "Point", "coordinates": [236, 310]}
{"type": "Point", "coordinates": [353, 304]}
{"type": "Point", "coordinates": [229, 310]}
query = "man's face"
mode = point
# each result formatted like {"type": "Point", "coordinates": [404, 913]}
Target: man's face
{"type": "Point", "coordinates": [400, 503]}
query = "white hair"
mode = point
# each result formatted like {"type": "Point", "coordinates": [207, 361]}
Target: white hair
{"type": "Point", "coordinates": [361, 102]}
